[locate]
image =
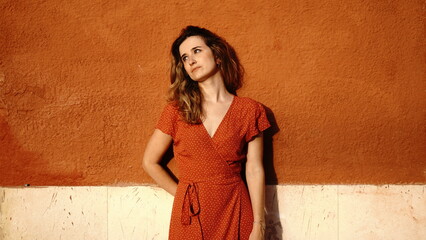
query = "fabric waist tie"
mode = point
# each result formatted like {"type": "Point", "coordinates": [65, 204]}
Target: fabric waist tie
{"type": "Point", "coordinates": [191, 203]}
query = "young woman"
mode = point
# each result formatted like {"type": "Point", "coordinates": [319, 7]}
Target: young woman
{"type": "Point", "coordinates": [213, 131]}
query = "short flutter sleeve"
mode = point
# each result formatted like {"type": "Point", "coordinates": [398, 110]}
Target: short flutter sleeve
{"type": "Point", "coordinates": [258, 122]}
{"type": "Point", "coordinates": [167, 121]}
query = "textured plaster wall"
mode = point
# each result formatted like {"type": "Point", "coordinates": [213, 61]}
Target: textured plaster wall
{"type": "Point", "coordinates": [82, 84]}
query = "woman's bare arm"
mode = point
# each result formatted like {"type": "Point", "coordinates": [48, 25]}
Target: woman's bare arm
{"type": "Point", "coordinates": [256, 184]}
{"type": "Point", "coordinates": [154, 151]}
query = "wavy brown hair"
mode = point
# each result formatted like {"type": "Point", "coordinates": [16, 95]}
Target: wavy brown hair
{"type": "Point", "coordinates": [184, 92]}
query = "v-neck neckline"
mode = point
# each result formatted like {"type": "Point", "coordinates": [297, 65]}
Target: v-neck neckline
{"type": "Point", "coordinates": [220, 124]}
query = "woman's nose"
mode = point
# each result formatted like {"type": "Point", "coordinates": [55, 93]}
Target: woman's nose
{"type": "Point", "coordinates": [192, 60]}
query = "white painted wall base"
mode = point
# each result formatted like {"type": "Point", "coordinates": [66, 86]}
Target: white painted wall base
{"type": "Point", "coordinates": [295, 212]}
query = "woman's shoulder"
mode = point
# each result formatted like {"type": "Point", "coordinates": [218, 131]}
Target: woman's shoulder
{"type": "Point", "coordinates": [249, 102]}
{"type": "Point", "coordinates": [171, 108]}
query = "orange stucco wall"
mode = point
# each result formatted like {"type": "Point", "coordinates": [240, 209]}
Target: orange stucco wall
{"type": "Point", "coordinates": [82, 84]}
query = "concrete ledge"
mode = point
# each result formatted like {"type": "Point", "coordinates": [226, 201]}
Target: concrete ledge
{"type": "Point", "coordinates": [296, 212]}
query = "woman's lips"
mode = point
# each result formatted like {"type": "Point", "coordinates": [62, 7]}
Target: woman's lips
{"type": "Point", "coordinates": [195, 69]}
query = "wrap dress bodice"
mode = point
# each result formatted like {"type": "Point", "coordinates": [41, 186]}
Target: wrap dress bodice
{"type": "Point", "coordinates": [212, 201]}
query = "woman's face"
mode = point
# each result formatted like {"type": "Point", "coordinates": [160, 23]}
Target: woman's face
{"type": "Point", "coordinates": [198, 59]}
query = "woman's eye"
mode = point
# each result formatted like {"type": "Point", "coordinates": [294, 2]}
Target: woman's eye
{"type": "Point", "coordinates": [184, 58]}
{"type": "Point", "coordinates": [197, 50]}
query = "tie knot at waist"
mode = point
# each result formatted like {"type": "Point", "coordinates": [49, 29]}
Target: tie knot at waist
{"type": "Point", "coordinates": [191, 202]}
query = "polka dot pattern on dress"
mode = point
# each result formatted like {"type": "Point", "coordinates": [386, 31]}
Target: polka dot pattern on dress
{"type": "Point", "coordinates": [212, 201]}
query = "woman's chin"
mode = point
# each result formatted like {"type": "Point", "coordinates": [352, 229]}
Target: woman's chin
{"type": "Point", "coordinates": [198, 78]}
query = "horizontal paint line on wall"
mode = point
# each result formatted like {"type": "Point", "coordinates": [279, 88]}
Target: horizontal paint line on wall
{"type": "Point", "coordinates": [155, 185]}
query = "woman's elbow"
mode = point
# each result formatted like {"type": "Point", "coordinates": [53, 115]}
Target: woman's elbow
{"type": "Point", "coordinates": [146, 164]}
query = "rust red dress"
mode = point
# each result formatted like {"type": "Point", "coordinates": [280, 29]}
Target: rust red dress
{"type": "Point", "coordinates": [212, 201]}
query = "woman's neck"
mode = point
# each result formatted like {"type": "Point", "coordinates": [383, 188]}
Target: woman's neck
{"type": "Point", "coordinates": [213, 89]}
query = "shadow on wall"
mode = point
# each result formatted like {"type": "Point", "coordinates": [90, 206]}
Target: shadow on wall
{"type": "Point", "coordinates": [20, 167]}
{"type": "Point", "coordinates": [268, 151]}
{"type": "Point", "coordinates": [16, 163]}
{"type": "Point", "coordinates": [274, 229]}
